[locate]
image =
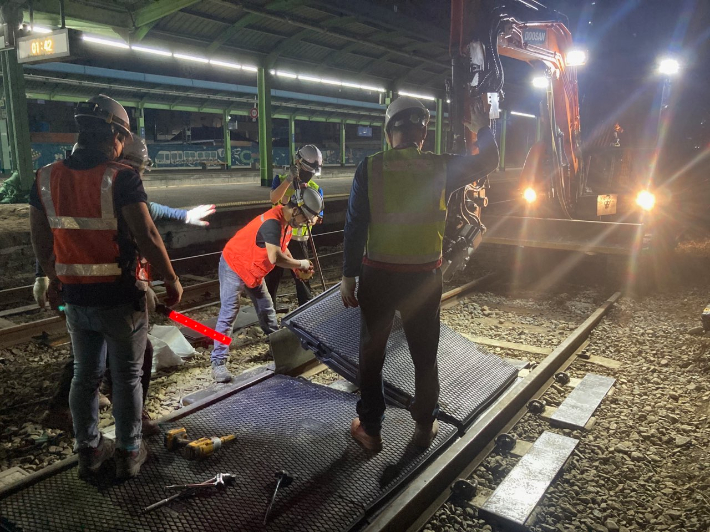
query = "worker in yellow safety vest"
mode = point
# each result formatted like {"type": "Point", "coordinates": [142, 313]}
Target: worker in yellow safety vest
{"type": "Point", "coordinates": [308, 164]}
{"type": "Point", "coordinates": [393, 241]}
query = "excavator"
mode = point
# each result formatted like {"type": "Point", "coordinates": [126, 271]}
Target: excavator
{"type": "Point", "coordinates": [566, 191]}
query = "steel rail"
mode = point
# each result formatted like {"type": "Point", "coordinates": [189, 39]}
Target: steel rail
{"type": "Point", "coordinates": [404, 511]}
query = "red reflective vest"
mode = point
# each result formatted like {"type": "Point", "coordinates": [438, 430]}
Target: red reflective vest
{"type": "Point", "coordinates": [79, 208]}
{"type": "Point", "coordinates": [250, 262]}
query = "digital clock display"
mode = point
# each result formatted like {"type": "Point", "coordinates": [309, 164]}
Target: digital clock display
{"type": "Point", "coordinates": [43, 47]}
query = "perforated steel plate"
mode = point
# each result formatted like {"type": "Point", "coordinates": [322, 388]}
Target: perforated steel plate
{"type": "Point", "coordinates": [281, 423]}
{"type": "Point", "coordinates": [470, 377]}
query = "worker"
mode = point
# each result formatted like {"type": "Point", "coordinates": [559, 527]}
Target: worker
{"type": "Point", "coordinates": [58, 415]}
{"type": "Point", "coordinates": [249, 256]}
{"type": "Point", "coordinates": [88, 218]}
{"type": "Point", "coordinates": [396, 216]}
{"type": "Point", "coordinates": [309, 162]}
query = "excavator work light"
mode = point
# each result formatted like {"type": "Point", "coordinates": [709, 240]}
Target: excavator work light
{"type": "Point", "coordinates": [530, 195]}
{"type": "Point", "coordinates": [668, 67]}
{"type": "Point", "coordinates": [540, 82]}
{"type": "Point", "coordinates": [576, 58]}
{"type": "Point", "coordinates": [645, 200]}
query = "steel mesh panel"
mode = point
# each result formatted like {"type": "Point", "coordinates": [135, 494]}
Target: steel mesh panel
{"type": "Point", "coordinates": [470, 377]}
{"type": "Point", "coordinates": [281, 423]}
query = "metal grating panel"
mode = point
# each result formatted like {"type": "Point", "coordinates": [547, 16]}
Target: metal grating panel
{"type": "Point", "coordinates": [470, 377]}
{"type": "Point", "coordinates": [281, 423]}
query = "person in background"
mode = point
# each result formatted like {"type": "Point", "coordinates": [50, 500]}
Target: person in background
{"type": "Point", "coordinates": [58, 415]}
{"type": "Point", "coordinates": [249, 256]}
{"type": "Point", "coordinates": [396, 215]}
{"type": "Point", "coordinates": [309, 162]}
{"type": "Point", "coordinates": [89, 218]}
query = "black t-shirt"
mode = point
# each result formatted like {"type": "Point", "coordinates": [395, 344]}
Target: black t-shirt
{"type": "Point", "coordinates": [271, 232]}
{"type": "Point", "coordinates": [127, 189]}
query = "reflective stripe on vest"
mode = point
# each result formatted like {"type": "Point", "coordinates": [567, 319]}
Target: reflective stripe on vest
{"type": "Point", "coordinates": [107, 222]}
{"type": "Point", "coordinates": [298, 233]}
{"type": "Point", "coordinates": [406, 192]}
{"type": "Point", "coordinates": [80, 211]}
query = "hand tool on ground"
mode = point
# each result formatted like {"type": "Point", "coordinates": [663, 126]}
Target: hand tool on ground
{"type": "Point", "coordinates": [204, 447]}
{"type": "Point", "coordinates": [219, 481]}
{"type": "Point", "coordinates": [283, 479]}
{"type": "Point", "coordinates": [192, 324]}
{"type": "Point", "coordinates": [199, 449]}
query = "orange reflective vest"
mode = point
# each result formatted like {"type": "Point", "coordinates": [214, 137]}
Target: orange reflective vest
{"type": "Point", "coordinates": [250, 262]}
{"type": "Point", "coordinates": [79, 208]}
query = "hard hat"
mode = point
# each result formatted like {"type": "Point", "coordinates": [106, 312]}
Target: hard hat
{"type": "Point", "coordinates": [107, 109]}
{"type": "Point", "coordinates": [309, 201]}
{"type": "Point", "coordinates": [135, 154]}
{"type": "Point", "coordinates": [310, 158]}
{"type": "Point", "coordinates": [406, 110]}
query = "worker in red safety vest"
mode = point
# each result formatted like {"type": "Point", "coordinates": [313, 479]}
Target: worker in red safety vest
{"type": "Point", "coordinates": [89, 218]}
{"type": "Point", "coordinates": [249, 256]}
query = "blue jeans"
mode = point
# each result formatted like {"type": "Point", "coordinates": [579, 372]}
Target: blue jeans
{"type": "Point", "coordinates": [124, 331]}
{"type": "Point", "coordinates": [231, 287]}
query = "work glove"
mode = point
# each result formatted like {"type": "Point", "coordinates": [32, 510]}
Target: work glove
{"type": "Point", "coordinates": [173, 291]}
{"type": "Point", "coordinates": [195, 216]}
{"type": "Point", "coordinates": [54, 294]}
{"type": "Point", "coordinates": [478, 116]}
{"type": "Point", "coordinates": [347, 292]}
{"type": "Point", "coordinates": [39, 291]}
{"type": "Point", "coordinates": [306, 265]}
{"type": "Point", "coordinates": [151, 299]}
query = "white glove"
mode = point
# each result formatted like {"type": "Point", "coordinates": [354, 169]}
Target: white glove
{"type": "Point", "coordinates": [151, 299]}
{"type": "Point", "coordinates": [305, 265]}
{"type": "Point", "coordinates": [195, 216]}
{"type": "Point", "coordinates": [478, 117]}
{"type": "Point", "coordinates": [39, 291]}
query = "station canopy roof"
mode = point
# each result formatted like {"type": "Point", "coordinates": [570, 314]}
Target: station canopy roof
{"type": "Point", "coordinates": [371, 42]}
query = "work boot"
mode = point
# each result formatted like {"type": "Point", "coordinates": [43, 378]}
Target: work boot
{"type": "Point", "coordinates": [91, 458]}
{"type": "Point", "coordinates": [220, 372]}
{"type": "Point", "coordinates": [128, 463]}
{"type": "Point", "coordinates": [57, 418]}
{"type": "Point", "coordinates": [150, 427]}
{"type": "Point", "coordinates": [369, 442]}
{"type": "Point", "coordinates": [104, 401]}
{"type": "Point", "coordinates": [425, 434]}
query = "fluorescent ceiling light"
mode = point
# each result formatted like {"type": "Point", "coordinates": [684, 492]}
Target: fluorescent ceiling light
{"type": "Point", "coordinates": [225, 64]}
{"type": "Point", "coordinates": [106, 42]}
{"type": "Point", "coordinates": [250, 68]}
{"type": "Point", "coordinates": [331, 81]}
{"type": "Point", "coordinates": [526, 115]}
{"type": "Point", "coordinates": [283, 74]}
{"type": "Point", "coordinates": [194, 58]}
{"type": "Point", "coordinates": [309, 78]}
{"type": "Point", "coordinates": [155, 51]}
{"type": "Point", "coordinates": [40, 29]}
{"type": "Point", "coordinates": [418, 96]}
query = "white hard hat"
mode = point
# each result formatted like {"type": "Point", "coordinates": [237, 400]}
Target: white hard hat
{"type": "Point", "coordinates": [310, 158]}
{"type": "Point", "coordinates": [135, 154]}
{"type": "Point", "coordinates": [108, 110]}
{"type": "Point", "coordinates": [310, 202]}
{"type": "Point", "coordinates": [406, 110]}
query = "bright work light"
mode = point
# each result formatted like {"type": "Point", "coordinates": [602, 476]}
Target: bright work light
{"type": "Point", "coordinates": [668, 67]}
{"type": "Point", "coordinates": [530, 195]}
{"type": "Point", "coordinates": [645, 200]}
{"type": "Point", "coordinates": [576, 58]}
{"type": "Point", "coordinates": [540, 82]}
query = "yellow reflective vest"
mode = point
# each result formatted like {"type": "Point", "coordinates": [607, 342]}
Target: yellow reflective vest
{"type": "Point", "coordinates": [407, 196]}
{"type": "Point", "coordinates": [299, 233]}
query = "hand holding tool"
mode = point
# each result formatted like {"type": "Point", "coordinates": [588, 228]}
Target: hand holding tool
{"type": "Point", "coordinates": [282, 479]}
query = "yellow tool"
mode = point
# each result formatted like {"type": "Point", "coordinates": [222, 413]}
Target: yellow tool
{"type": "Point", "coordinates": [175, 439]}
{"type": "Point", "coordinates": [204, 447]}
{"type": "Point", "coordinates": [304, 275]}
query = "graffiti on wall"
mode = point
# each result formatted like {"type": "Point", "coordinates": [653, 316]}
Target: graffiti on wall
{"type": "Point", "coordinates": [200, 156]}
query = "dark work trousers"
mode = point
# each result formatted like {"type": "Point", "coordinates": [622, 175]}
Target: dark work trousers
{"type": "Point", "coordinates": [299, 251]}
{"type": "Point", "coordinates": [60, 399]}
{"type": "Point", "coordinates": [417, 296]}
